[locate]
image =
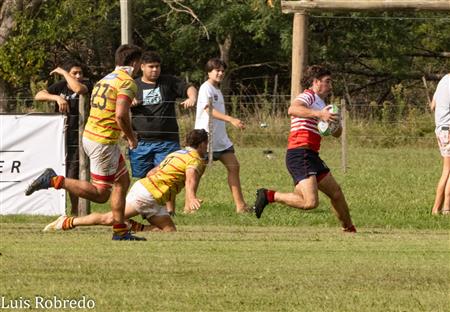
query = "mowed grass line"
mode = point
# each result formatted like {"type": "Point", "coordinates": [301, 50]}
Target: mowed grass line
{"type": "Point", "coordinates": [288, 260]}
{"type": "Point", "coordinates": [231, 268]}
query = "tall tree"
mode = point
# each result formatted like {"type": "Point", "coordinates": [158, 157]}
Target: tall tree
{"type": "Point", "coordinates": [247, 34]}
{"type": "Point", "coordinates": [9, 11]}
{"type": "Point", "coordinates": [44, 34]}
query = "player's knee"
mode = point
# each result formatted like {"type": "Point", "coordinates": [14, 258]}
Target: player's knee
{"type": "Point", "coordinates": [102, 193]}
{"type": "Point", "coordinates": [102, 197]}
{"type": "Point", "coordinates": [311, 204]}
{"type": "Point", "coordinates": [169, 228]}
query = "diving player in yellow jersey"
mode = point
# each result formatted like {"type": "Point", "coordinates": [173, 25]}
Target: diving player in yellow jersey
{"type": "Point", "coordinates": [148, 196]}
{"type": "Point", "coordinates": [109, 116]}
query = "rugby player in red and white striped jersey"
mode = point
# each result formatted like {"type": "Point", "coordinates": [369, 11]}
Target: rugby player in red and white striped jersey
{"type": "Point", "coordinates": [309, 172]}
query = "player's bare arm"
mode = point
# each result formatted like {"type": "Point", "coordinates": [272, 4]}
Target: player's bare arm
{"type": "Point", "coordinates": [338, 132]}
{"type": "Point", "coordinates": [123, 120]}
{"type": "Point", "coordinates": [44, 95]}
{"type": "Point", "coordinates": [170, 206]}
{"type": "Point", "coordinates": [74, 85]}
{"type": "Point", "coordinates": [192, 97]}
{"type": "Point", "coordinates": [433, 105]}
{"type": "Point", "coordinates": [299, 109]}
{"type": "Point", "coordinates": [192, 203]}
{"type": "Point", "coordinates": [224, 117]}
{"type": "Point", "coordinates": [135, 102]}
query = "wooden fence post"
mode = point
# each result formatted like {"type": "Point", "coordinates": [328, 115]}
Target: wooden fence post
{"type": "Point", "coordinates": [84, 205]}
{"type": "Point", "coordinates": [275, 91]}
{"type": "Point", "coordinates": [344, 136]}
{"type": "Point", "coordinates": [299, 52]}
{"type": "Point", "coordinates": [126, 16]}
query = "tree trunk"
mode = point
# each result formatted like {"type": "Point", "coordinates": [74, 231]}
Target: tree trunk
{"type": "Point", "coordinates": [225, 49]}
{"type": "Point", "coordinates": [6, 19]}
{"type": "Point", "coordinates": [7, 23]}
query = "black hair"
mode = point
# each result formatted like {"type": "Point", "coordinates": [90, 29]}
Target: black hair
{"type": "Point", "coordinates": [126, 54]}
{"type": "Point", "coordinates": [314, 72]}
{"type": "Point", "coordinates": [196, 137]}
{"type": "Point", "coordinates": [68, 65]}
{"type": "Point", "coordinates": [151, 57]}
{"type": "Point", "coordinates": [215, 63]}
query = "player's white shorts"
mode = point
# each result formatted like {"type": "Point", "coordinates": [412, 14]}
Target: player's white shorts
{"type": "Point", "coordinates": [141, 200]}
{"type": "Point", "coordinates": [442, 135]}
{"type": "Point", "coordinates": [106, 162]}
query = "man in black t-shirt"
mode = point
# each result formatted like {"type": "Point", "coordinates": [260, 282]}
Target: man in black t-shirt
{"type": "Point", "coordinates": [154, 116]}
{"type": "Point", "coordinates": [66, 95]}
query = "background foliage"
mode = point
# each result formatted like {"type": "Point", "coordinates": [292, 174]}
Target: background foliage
{"type": "Point", "coordinates": [378, 56]}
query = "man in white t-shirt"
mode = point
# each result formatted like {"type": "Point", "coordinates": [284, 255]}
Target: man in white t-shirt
{"type": "Point", "coordinates": [441, 107]}
{"type": "Point", "coordinates": [223, 149]}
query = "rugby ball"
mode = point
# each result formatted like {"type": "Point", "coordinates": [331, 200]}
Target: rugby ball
{"type": "Point", "coordinates": [327, 128]}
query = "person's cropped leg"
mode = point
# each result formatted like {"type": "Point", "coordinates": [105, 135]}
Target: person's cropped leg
{"type": "Point", "coordinates": [305, 195]}
{"type": "Point", "coordinates": [118, 196]}
{"type": "Point", "coordinates": [441, 200]}
{"type": "Point", "coordinates": [232, 165]}
{"type": "Point", "coordinates": [162, 223]}
{"type": "Point", "coordinates": [102, 218]}
{"type": "Point", "coordinates": [331, 188]}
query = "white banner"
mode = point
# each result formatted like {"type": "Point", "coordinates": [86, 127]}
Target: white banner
{"type": "Point", "coordinates": [28, 145]}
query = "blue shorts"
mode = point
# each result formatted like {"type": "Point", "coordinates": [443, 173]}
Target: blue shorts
{"type": "Point", "coordinates": [303, 163]}
{"type": "Point", "coordinates": [148, 154]}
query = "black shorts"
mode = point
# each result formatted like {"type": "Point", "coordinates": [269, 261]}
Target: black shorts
{"type": "Point", "coordinates": [303, 163]}
{"type": "Point", "coordinates": [216, 155]}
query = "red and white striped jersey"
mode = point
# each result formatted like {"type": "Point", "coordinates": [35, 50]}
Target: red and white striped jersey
{"type": "Point", "coordinates": [304, 130]}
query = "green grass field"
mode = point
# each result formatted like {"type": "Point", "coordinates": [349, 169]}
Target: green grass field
{"type": "Point", "coordinates": [286, 261]}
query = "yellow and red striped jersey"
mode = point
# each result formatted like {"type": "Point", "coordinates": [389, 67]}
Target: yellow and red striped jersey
{"type": "Point", "coordinates": [101, 125]}
{"type": "Point", "coordinates": [169, 178]}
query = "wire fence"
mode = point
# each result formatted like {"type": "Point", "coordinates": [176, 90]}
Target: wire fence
{"type": "Point", "coordinates": [268, 125]}
{"type": "Point", "coordinates": [266, 116]}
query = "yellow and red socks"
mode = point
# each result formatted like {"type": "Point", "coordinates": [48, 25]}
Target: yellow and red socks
{"type": "Point", "coordinates": [120, 229]}
{"type": "Point", "coordinates": [57, 182]}
{"type": "Point", "coordinates": [135, 226]}
{"type": "Point", "coordinates": [270, 195]}
{"type": "Point", "coordinates": [68, 224]}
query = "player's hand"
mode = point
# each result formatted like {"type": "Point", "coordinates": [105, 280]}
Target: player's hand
{"type": "Point", "coordinates": [188, 103]}
{"type": "Point", "coordinates": [327, 115]}
{"type": "Point", "coordinates": [237, 123]}
{"type": "Point", "coordinates": [63, 105]}
{"type": "Point", "coordinates": [132, 142]}
{"type": "Point", "coordinates": [192, 205]}
{"type": "Point", "coordinates": [432, 105]}
{"type": "Point", "coordinates": [134, 103]}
